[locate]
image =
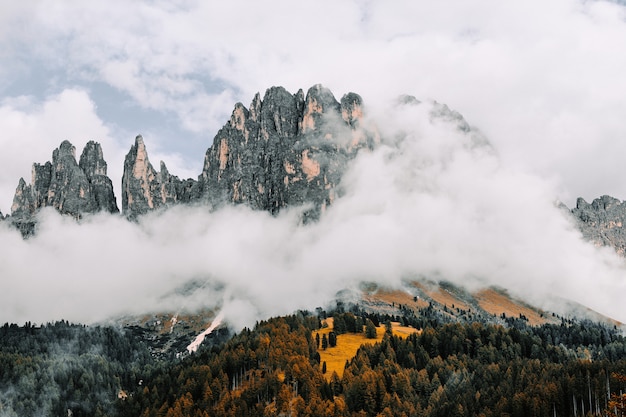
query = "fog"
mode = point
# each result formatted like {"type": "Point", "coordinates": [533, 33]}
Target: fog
{"type": "Point", "coordinates": [431, 201]}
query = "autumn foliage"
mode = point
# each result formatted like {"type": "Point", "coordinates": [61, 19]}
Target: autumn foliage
{"type": "Point", "coordinates": [448, 369]}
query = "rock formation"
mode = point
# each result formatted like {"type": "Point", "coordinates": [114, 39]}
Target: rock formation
{"type": "Point", "coordinates": [94, 166]}
{"type": "Point", "coordinates": [285, 149]}
{"type": "Point", "coordinates": [70, 187]}
{"type": "Point", "coordinates": [144, 189]}
{"type": "Point", "coordinates": [602, 222]}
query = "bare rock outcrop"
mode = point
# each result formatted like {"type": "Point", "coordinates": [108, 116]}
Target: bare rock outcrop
{"type": "Point", "coordinates": [71, 188]}
{"type": "Point", "coordinates": [145, 189]}
{"type": "Point", "coordinates": [285, 150]}
{"type": "Point", "coordinates": [602, 222]}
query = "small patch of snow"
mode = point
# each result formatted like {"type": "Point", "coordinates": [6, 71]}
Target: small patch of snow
{"type": "Point", "coordinates": [193, 346]}
{"type": "Point", "coordinates": [174, 320]}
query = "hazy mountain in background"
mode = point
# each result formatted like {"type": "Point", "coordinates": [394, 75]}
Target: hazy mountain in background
{"type": "Point", "coordinates": [602, 222]}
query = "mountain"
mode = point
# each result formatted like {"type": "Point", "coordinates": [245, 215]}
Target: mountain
{"type": "Point", "coordinates": [72, 188]}
{"type": "Point", "coordinates": [144, 189]}
{"type": "Point", "coordinates": [602, 222]}
{"type": "Point", "coordinates": [478, 352]}
{"type": "Point", "coordinates": [285, 149]}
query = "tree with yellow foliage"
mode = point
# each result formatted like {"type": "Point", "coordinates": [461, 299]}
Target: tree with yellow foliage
{"type": "Point", "coordinates": [617, 404]}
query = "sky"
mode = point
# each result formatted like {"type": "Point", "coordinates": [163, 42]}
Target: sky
{"type": "Point", "coordinates": [543, 82]}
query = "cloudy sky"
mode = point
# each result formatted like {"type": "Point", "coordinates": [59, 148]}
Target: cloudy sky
{"type": "Point", "coordinates": [543, 81]}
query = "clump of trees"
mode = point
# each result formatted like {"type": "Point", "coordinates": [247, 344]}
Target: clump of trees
{"type": "Point", "coordinates": [347, 323]}
{"type": "Point", "coordinates": [50, 369]}
{"type": "Point", "coordinates": [370, 329]}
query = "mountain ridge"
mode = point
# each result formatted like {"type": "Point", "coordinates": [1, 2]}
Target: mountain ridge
{"type": "Point", "coordinates": [285, 149]}
{"type": "Point", "coordinates": [282, 150]}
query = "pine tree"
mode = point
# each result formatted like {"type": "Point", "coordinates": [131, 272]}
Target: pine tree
{"type": "Point", "coordinates": [370, 329]}
{"type": "Point", "coordinates": [332, 339]}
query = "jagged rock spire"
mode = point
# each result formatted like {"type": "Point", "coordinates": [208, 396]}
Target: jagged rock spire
{"type": "Point", "coordinates": [144, 189]}
{"type": "Point", "coordinates": [71, 188]}
{"type": "Point", "coordinates": [285, 149]}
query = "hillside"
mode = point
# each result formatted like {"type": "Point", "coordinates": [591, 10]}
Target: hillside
{"type": "Point", "coordinates": [347, 344]}
{"type": "Point", "coordinates": [444, 369]}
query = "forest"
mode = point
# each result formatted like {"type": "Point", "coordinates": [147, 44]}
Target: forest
{"type": "Point", "coordinates": [447, 369]}
{"type": "Point", "coordinates": [59, 369]}
{"type": "Point", "coordinates": [274, 369]}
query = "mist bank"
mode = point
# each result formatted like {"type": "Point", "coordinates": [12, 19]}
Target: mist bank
{"type": "Point", "coordinates": [433, 200]}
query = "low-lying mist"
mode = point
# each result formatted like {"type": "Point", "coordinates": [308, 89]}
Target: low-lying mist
{"type": "Point", "coordinates": [432, 200]}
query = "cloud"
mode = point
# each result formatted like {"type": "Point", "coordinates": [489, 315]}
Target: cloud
{"type": "Point", "coordinates": [428, 202]}
{"type": "Point", "coordinates": [32, 129]}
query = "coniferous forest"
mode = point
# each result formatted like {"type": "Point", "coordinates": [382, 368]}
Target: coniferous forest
{"type": "Point", "coordinates": [48, 370]}
{"type": "Point", "coordinates": [445, 369]}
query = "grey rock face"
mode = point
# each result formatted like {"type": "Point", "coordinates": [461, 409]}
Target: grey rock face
{"type": "Point", "coordinates": [94, 166]}
{"type": "Point", "coordinates": [602, 222]}
{"type": "Point", "coordinates": [71, 188]}
{"type": "Point", "coordinates": [144, 189]}
{"type": "Point", "coordinates": [286, 149]}
{"type": "Point", "coordinates": [283, 150]}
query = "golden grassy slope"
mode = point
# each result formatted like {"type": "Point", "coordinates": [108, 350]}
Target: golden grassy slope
{"type": "Point", "coordinates": [349, 343]}
{"type": "Point", "coordinates": [495, 302]}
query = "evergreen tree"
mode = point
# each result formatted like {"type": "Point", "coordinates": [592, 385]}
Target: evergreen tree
{"type": "Point", "coordinates": [339, 324]}
{"type": "Point", "coordinates": [388, 328]}
{"type": "Point", "coordinates": [332, 339]}
{"type": "Point", "coordinates": [370, 329]}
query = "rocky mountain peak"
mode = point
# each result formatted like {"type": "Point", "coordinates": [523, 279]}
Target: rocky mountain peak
{"type": "Point", "coordinates": [602, 222]}
{"type": "Point", "coordinates": [138, 180]}
{"type": "Point", "coordinates": [352, 109]}
{"type": "Point", "coordinates": [144, 189]}
{"type": "Point", "coordinates": [65, 150]}
{"type": "Point", "coordinates": [71, 188]}
{"type": "Point", "coordinates": [92, 160]}
{"type": "Point", "coordinates": [286, 149]}
{"type": "Point", "coordinates": [94, 166]}
{"type": "Point", "coordinates": [283, 150]}
{"type": "Point", "coordinates": [319, 102]}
